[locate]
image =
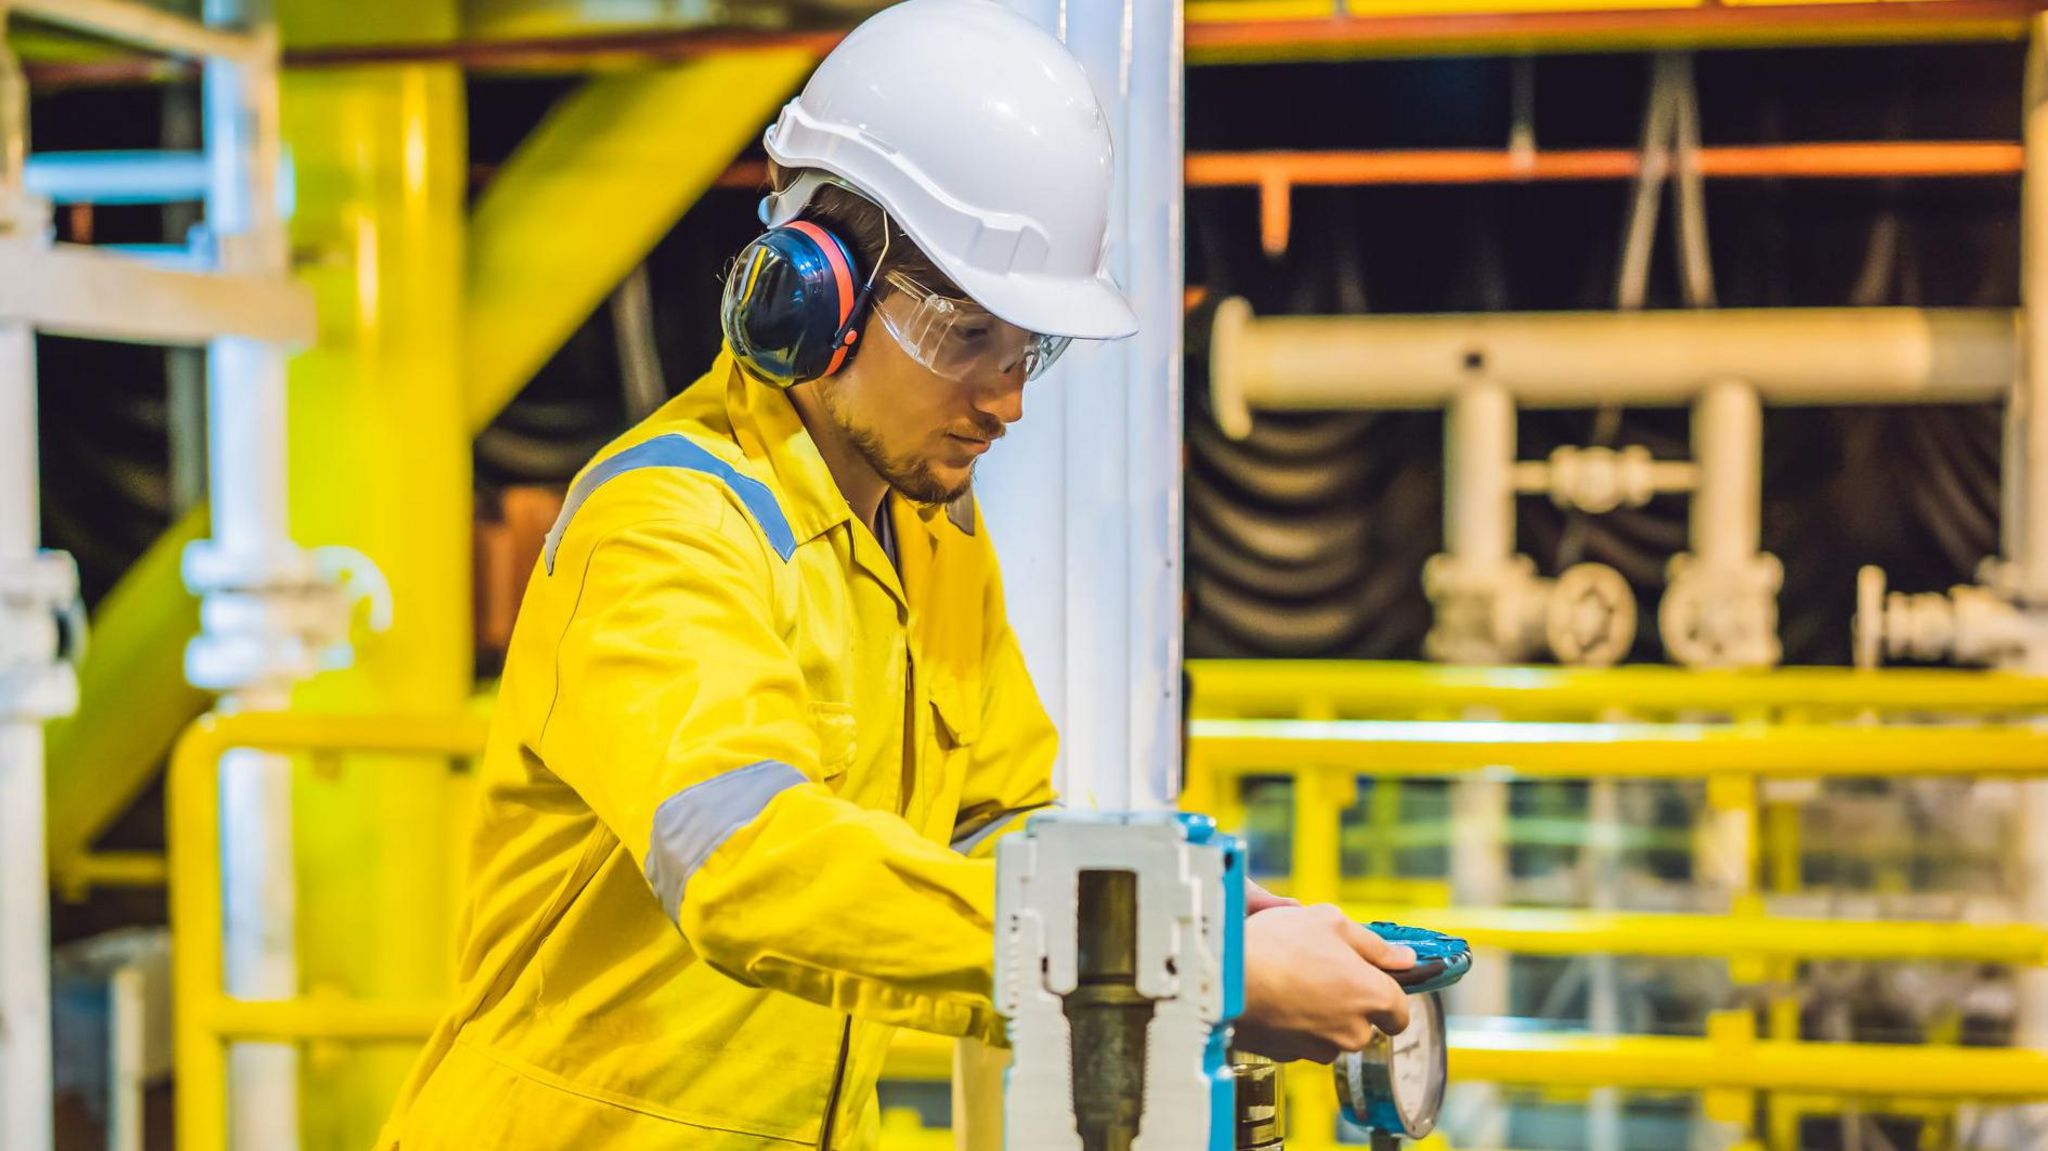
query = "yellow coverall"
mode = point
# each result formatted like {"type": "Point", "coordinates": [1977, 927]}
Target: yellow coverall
{"type": "Point", "coordinates": [737, 804]}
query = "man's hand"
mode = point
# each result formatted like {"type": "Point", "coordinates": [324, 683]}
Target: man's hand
{"type": "Point", "coordinates": [1316, 984]}
{"type": "Point", "coordinates": [1257, 899]}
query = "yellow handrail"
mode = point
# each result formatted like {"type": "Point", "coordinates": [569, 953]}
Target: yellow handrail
{"type": "Point", "coordinates": [1325, 760]}
{"type": "Point", "coordinates": [1226, 688]}
{"type": "Point", "coordinates": [206, 1019]}
{"type": "Point", "coordinates": [1613, 750]}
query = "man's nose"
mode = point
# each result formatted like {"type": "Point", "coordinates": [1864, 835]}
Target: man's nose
{"type": "Point", "coordinates": [1003, 396]}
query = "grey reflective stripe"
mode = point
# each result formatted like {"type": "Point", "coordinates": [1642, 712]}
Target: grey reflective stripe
{"type": "Point", "coordinates": [689, 825]}
{"type": "Point", "coordinates": [674, 451]}
{"type": "Point", "coordinates": [965, 844]}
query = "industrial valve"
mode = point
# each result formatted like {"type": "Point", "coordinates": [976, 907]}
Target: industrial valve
{"type": "Point", "coordinates": [1505, 612]}
{"type": "Point", "coordinates": [1722, 615]}
{"type": "Point", "coordinates": [1972, 623]}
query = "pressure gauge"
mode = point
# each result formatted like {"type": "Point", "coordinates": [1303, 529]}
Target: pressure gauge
{"type": "Point", "coordinates": [1395, 1086]}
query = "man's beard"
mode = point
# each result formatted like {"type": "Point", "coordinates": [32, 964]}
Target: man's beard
{"type": "Point", "coordinates": [910, 478]}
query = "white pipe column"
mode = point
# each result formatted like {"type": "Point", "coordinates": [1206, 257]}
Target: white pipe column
{"type": "Point", "coordinates": [1479, 463]}
{"type": "Point", "coordinates": [1479, 878]}
{"type": "Point", "coordinates": [258, 588]}
{"type": "Point", "coordinates": [1720, 607]}
{"type": "Point", "coordinates": [1477, 565]}
{"type": "Point", "coordinates": [1084, 496]}
{"type": "Point", "coordinates": [1478, 586]}
{"type": "Point", "coordinates": [2026, 502]}
{"type": "Point", "coordinates": [34, 684]}
{"type": "Point", "coordinates": [25, 1068]}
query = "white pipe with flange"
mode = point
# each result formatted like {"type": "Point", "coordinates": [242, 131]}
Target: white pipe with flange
{"type": "Point", "coordinates": [1822, 356]}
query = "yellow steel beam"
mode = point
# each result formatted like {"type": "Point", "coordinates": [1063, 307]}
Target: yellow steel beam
{"type": "Point", "coordinates": [115, 869]}
{"type": "Point", "coordinates": [132, 700]}
{"type": "Point", "coordinates": [1658, 1063]}
{"type": "Point", "coordinates": [1543, 931]}
{"type": "Point", "coordinates": [589, 193]}
{"type": "Point", "coordinates": [1322, 688]}
{"type": "Point", "coordinates": [1612, 750]}
{"type": "Point", "coordinates": [1667, 1064]}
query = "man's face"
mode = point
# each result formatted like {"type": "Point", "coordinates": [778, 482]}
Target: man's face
{"type": "Point", "coordinates": [920, 431]}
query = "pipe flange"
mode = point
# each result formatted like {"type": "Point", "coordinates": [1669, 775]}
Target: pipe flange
{"type": "Point", "coordinates": [1590, 616]}
{"type": "Point", "coordinates": [273, 619]}
{"type": "Point", "coordinates": [42, 637]}
{"type": "Point", "coordinates": [1725, 616]}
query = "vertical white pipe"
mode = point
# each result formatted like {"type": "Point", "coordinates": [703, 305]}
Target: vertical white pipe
{"type": "Point", "coordinates": [1479, 878]}
{"type": "Point", "coordinates": [247, 434]}
{"type": "Point", "coordinates": [126, 1083]}
{"type": "Point", "coordinates": [2026, 487]}
{"type": "Point", "coordinates": [1479, 535]}
{"type": "Point", "coordinates": [2026, 498]}
{"type": "Point", "coordinates": [1603, 996]}
{"type": "Point", "coordinates": [1149, 265]}
{"type": "Point", "coordinates": [1084, 495]}
{"type": "Point", "coordinates": [1727, 511]}
{"type": "Point", "coordinates": [1479, 477]}
{"type": "Point", "coordinates": [25, 1041]}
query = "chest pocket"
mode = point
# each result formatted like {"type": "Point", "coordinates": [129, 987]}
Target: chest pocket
{"type": "Point", "coordinates": [956, 704]}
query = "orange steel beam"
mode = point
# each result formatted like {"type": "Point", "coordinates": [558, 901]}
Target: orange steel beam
{"type": "Point", "coordinates": [1275, 174]}
{"type": "Point", "coordinates": [1217, 35]}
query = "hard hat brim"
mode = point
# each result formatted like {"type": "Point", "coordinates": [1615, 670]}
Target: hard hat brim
{"type": "Point", "coordinates": [1089, 308]}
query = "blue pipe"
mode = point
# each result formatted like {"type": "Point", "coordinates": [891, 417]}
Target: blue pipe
{"type": "Point", "coordinates": [118, 177]}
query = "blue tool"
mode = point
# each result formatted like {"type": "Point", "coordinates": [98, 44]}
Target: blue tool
{"type": "Point", "coordinates": [1440, 960]}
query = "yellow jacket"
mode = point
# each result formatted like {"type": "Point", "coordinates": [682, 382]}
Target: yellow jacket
{"type": "Point", "coordinates": [737, 804]}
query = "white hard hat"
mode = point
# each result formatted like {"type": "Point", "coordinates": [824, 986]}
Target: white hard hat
{"type": "Point", "coordinates": [979, 134]}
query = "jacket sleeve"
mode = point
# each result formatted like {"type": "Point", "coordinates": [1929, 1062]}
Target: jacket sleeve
{"type": "Point", "coordinates": [681, 718]}
{"type": "Point", "coordinates": [1010, 773]}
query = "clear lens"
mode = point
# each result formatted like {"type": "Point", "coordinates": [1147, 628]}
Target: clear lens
{"type": "Point", "coordinates": [958, 339]}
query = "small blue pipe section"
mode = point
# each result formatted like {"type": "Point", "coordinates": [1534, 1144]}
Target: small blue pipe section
{"type": "Point", "coordinates": [118, 177]}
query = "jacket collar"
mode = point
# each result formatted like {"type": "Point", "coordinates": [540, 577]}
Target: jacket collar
{"type": "Point", "coordinates": [768, 429]}
{"type": "Point", "coordinates": [766, 425]}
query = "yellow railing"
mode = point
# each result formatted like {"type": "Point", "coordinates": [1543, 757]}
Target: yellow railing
{"type": "Point", "coordinates": [207, 1021]}
{"type": "Point", "coordinates": [1325, 757]}
{"type": "Point", "coordinates": [1334, 689]}
{"type": "Point", "coordinates": [1324, 726]}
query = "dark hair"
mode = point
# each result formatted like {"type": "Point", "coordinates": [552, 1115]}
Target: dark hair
{"type": "Point", "coordinates": [867, 229]}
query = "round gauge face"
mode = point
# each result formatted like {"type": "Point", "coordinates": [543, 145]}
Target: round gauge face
{"type": "Point", "coordinates": [1416, 1064]}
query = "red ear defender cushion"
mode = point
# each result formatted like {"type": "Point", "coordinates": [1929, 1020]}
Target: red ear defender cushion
{"type": "Point", "coordinates": [842, 276]}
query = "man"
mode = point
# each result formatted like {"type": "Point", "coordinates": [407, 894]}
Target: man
{"type": "Point", "coordinates": [763, 718]}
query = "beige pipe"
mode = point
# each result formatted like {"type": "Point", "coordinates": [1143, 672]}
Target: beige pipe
{"type": "Point", "coordinates": [2026, 467]}
{"type": "Point", "coordinates": [1580, 359]}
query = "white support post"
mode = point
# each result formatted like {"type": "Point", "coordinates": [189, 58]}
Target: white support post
{"type": "Point", "coordinates": [2026, 502]}
{"type": "Point", "coordinates": [25, 1067]}
{"type": "Point", "coordinates": [1084, 497]}
{"type": "Point", "coordinates": [257, 586]}
{"type": "Point", "coordinates": [1479, 878]}
{"type": "Point", "coordinates": [1721, 606]}
{"type": "Point", "coordinates": [36, 589]}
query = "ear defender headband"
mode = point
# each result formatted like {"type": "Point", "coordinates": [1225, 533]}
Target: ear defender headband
{"type": "Point", "coordinates": [793, 304]}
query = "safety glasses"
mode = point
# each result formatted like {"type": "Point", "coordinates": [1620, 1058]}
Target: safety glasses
{"type": "Point", "coordinates": [959, 340]}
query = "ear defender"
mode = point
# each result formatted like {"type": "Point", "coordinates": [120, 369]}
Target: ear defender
{"type": "Point", "coordinates": [793, 303]}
